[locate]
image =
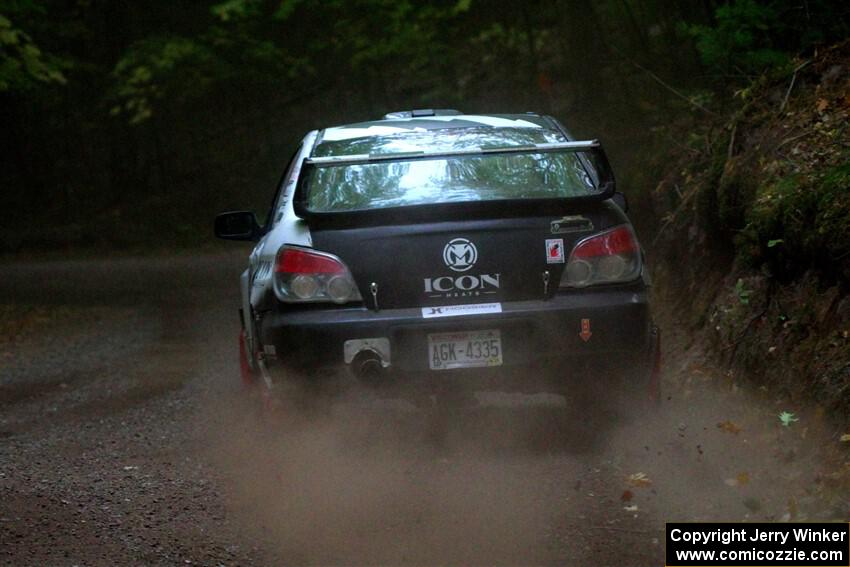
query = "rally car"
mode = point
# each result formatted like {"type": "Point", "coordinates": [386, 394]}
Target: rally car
{"type": "Point", "coordinates": [433, 250]}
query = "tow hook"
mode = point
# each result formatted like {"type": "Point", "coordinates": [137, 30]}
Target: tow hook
{"type": "Point", "coordinates": [374, 289]}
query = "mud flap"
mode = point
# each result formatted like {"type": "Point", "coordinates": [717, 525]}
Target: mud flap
{"type": "Point", "coordinates": [245, 372]}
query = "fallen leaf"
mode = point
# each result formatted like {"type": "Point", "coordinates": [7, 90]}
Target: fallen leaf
{"type": "Point", "coordinates": [845, 438]}
{"type": "Point", "coordinates": [639, 479]}
{"type": "Point", "coordinates": [822, 104]}
{"type": "Point", "coordinates": [787, 418]}
{"type": "Point", "coordinates": [627, 496]}
{"type": "Point", "coordinates": [729, 427]}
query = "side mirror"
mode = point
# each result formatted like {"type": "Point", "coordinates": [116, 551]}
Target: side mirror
{"type": "Point", "coordinates": [621, 201]}
{"type": "Point", "coordinates": [237, 225]}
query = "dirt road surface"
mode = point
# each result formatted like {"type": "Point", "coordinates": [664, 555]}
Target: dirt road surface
{"type": "Point", "coordinates": [125, 440]}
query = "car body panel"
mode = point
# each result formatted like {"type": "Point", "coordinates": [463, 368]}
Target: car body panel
{"type": "Point", "coordinates": [618, 318]}
{"type": "Point", "coordinates": [407, 260]}
{"type": "Point", "coordinates": [286, 228]}
{"type": "Point", "coordinates": [408, 264]}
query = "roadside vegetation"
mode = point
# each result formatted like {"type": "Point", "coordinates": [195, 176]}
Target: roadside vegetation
{"type": "Point", "coordinates": [753, 238]}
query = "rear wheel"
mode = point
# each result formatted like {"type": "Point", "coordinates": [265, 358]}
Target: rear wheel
{"type": "Point", "coordinates": [290, 393]}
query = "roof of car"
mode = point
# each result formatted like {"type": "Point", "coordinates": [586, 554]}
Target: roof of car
{"type": "Point", "coordinates": [422, 122]}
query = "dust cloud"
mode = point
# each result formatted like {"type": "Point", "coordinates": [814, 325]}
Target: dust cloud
{"type": "Point", "coordinates": [368, 481]}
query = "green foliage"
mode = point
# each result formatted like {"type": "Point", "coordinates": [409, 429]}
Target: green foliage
{"type": "Point", "coordinates": [787, 418]}
{"type": "Point", "coordinates": [199, 85]}
{"type": "Point", "coordinates": [741, 38]}
{"type": "Point", "coordinates": [159, 67]}
{"type": "Point", "coordinates": [22, 64]}
{"type": "Point", "coordinates": [742, 292]}
{"type": "Point", "coordinates": [399, 32]}
{"type": "Point", "coordinates": [286, 8]}
{"type": "Point", "coordinates": [174, 70]}
{"type": "Point", "coordinates": [810, 217]}
{"type": "Point", "coordinates": [235, 9]}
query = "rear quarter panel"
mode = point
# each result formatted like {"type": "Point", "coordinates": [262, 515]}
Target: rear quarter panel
{"type": "Point", "coordinates": [286, 229]}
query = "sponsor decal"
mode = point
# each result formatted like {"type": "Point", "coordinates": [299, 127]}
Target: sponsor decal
{"type": "Point", "coordinates": [585, 333]}
{"type": "Point", "coordinates": [576, 223]}
{"type": "Point", "coordinates": [462, 286]}
{"type": "Point", "coordinates": [456, 310]}
{"type": "Point", "coordinates": [460, 254]}
{"type": "Point", "coordinates": [554, 250]}
{"type": "Point", "coordinates": [261, 274]}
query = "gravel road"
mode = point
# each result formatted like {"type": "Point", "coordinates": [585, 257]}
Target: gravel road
{"type": "Point", "coordinates": [125, 440]}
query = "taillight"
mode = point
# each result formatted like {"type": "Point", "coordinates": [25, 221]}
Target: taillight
{"type": "Point", "coordinates": [610, 257]}
{"type": "Point", "coordinates": [303, 275]}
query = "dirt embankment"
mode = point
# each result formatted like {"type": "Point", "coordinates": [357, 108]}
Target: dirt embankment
{"type": "Point", "coordinates": [752, 253]}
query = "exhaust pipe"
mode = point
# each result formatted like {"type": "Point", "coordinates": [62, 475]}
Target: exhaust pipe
{"type": "Point", "coordinates": [368, 367]}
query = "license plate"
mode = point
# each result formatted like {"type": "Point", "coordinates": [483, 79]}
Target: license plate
{"type": "Point", "coordinates": [471, 349]}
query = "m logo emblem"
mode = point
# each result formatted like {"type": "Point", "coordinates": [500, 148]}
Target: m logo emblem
{"type": "Point", "coordinates": [460, 254]}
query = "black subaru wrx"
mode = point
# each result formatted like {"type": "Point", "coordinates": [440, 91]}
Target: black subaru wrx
{"type": "Point", "coordinates": [434, 250]}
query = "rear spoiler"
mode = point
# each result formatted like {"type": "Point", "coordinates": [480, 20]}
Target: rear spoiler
{"type": "Point", "coordinates": [358, 159]}
{"type": "Point", "coordinates": [598, 165]}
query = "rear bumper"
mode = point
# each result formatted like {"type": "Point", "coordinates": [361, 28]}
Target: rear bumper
{"type": "Point", "coordinates": [534, 333]}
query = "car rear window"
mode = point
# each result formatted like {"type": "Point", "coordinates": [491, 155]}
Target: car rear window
{"type": "Point", "coordinates": [351, 187]}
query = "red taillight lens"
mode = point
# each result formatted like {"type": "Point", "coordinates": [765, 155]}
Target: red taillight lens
{"type": "Point", "coordinates": [302, 275]}
{"type": "Point", "coordinates": [618, 241]}
{"type": "Point", "coordinates": [610, 257]}
{"type": "Point", "coordinates": [297, 261]}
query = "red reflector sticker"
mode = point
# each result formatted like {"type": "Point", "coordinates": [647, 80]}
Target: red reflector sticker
{"type": "Point", "coordinates": [585, 333]}
{"type": "Point", "coordinates": [554, 250]}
